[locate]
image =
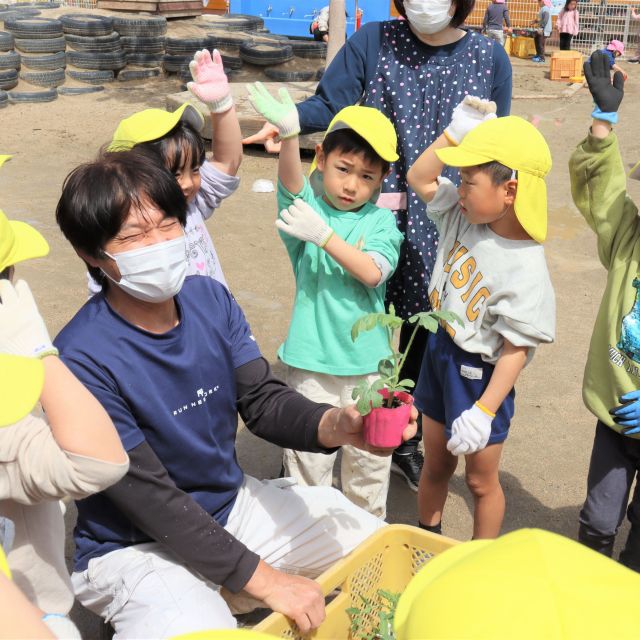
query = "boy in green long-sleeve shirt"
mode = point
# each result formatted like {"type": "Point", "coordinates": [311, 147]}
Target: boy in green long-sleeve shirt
{"type": "Point", "coordinates": [612, 375]}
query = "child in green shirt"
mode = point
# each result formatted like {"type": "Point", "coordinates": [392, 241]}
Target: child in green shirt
{"type": "Point", "coordinates": [342, 248]}
{"type": "Point", "coordinates": [612, 374]}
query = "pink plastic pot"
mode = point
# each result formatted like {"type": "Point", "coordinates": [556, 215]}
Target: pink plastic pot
{"type": "Point", "coordinates": [383, 427]}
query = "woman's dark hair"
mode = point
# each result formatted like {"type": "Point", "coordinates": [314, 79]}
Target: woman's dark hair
{"type": "Point", "coordinates": [348, 141]}
{"type": "Point", "coordinates": [568, 2]}
{"type": "Point", "coordinates": [463, 9]}
{"type": "Point", "coordinates": [181, 145]}
{"type": "Point", "coordinates": [98, 196]}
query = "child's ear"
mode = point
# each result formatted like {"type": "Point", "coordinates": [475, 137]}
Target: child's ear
{"type": "Point", "coordinates": [510, 191]}
{"type": "Point", "coordinates": [320, 157]}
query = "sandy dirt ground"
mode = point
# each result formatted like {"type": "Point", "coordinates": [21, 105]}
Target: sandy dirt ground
{"type": "Point", "coordinates": [546, 457]}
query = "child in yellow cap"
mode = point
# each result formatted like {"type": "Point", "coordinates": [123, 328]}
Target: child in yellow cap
{"type": "Point", "coordinates": [491, 271]}
{"type": "Point", "coordinates": [611, 384]}
{"type": "Point", "coordinates": [75, 452]}
{"type": "Point", "coordinates": [343, 248]}
{"type": "Point", "coordinates": [175, 138]}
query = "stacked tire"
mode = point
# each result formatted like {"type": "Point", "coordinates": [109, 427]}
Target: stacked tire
{"type": "Point", "coordinates": [9, 66]}
{"type": "Point", "coordinates": [233, 22]}
{"type": "Point", "coordinates": [143, 40]}
{"type": "Point", "coordinates": [41, 44]}
{"type": "Point", "coordinates": [94, 49]}
{"type": "Point", "coordinates": [180, 51]}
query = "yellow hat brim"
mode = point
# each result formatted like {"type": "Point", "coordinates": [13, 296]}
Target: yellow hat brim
{"type": "Point", "coordinates": [21, 381]}
{"type": "Point", "coordinates": [152, 124]}
{"type": "Point", "coordinates": [28, 244]}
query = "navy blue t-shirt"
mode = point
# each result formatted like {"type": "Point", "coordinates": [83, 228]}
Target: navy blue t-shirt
{"type": "Point", "coordinates": [176, 391]}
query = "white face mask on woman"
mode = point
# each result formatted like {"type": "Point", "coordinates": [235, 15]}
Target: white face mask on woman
{"type": "Point", "coordinates": [154, 273]}
{"type": "Point", "coordinates": [428, 16]}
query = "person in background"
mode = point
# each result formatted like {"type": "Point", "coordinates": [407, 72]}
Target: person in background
{"type": "Point", "coordinates": [568, 24]}
{"type": "Point", "coordinates": [543, 26]}
{"type": "Point", "coordinates": [613, 51]}
{"type": "Point", "coordinates": [495, 15]}
{"type": "Point", "coordinates": [636, 58]}
{"type": "Point", "coordinates": [415, 71]}
{"type": "Point", "coordinates": [319, 28]}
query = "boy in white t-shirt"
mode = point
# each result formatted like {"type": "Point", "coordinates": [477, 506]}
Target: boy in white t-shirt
{"type": "Point", "coordinates": [490, 269]}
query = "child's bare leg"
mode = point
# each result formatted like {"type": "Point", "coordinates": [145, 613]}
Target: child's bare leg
{"type": "Point", "coordinates": [438, 467]}
{"type": "Point", "coordinates": [482, 478]}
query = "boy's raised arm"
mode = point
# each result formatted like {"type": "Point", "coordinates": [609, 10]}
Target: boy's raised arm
{"type": "Point", "coordinates": [210, 86]}
{"type": "Point", "coordinates": [284, 115]}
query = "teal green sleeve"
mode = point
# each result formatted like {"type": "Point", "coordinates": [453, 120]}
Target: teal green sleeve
{"type": "Point", "coordinates": [599, 190]}
{"type": "Point", "coordinates": [385, 238]}
{"type": "Point", "coordinates": [285, 198]}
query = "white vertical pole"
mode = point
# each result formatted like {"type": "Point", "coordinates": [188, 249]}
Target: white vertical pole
{"type": "Point", "coordinates": [337, 28]}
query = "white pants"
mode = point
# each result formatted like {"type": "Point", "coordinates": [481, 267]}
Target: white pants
{"type": "Point", "coordinates": [496, 34]}
{"type": "Point", "coordinates": [364, 477]}
{"type": "Point", "coordinates": [145, 592]}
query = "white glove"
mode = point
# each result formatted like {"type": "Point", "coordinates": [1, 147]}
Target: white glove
{"type": "Point", "coordinates": [468, 115]}
{"type": "Point", "coordinates": [470, 431]}
{"type": "Point", "coordinates": [301, 221]}
{"type": "Point", "coordinates": [22, 329]}
{"type": "Point", "coordinates": [210, 84]}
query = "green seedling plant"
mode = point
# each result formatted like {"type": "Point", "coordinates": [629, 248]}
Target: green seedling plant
{"type": "Point", "coordinates": [366, 395]}
{"type": "Point", "coordinates": [383, 607]}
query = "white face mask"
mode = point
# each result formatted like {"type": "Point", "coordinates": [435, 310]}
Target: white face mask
{"type": "Point", "coordinates": [428, 16]}
{"type": "Point", "coordinates": [154, 273]}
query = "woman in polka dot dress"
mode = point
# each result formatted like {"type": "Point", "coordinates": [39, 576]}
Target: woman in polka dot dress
{"type": "Point", "coordinates": [414, 70]}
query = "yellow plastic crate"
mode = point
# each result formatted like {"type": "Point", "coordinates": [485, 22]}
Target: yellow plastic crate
{"type": "Point", "coordinates": [523, 47]}
{"type": "Point", "coordinates": [387, 560]}
{"type": "Point", "coordinates": [565, 65]}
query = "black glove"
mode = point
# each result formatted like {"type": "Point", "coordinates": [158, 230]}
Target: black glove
{"type": "Point", "coordinates": [606, 95]}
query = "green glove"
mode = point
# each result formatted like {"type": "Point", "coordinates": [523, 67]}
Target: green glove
{"type": "Point", "coordinates": [280, 113]}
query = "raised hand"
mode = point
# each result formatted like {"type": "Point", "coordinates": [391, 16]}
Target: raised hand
{"type": "Point", "coordinates": [471, 112]}
{"type": "Point", "coordinates": [210, 84]}
{"type": "Point", "coordinates": [280, 113]}
{"type": "Point", "coordinates": [606, 94]}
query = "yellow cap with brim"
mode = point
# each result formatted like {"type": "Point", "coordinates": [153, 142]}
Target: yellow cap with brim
{"type": "Point", "coordinates": [517, 144]}
{"type": "Point", "coordinates": [152, 124]}
{"type": "Point", "coordinates": [4, 565]}
{"type": "Point", "coordinates": [528, 584]}
{"type": "Point", "coordinates": [19, 241]}
{"type": "Point", "coordinates": [368, 123]}
{"type": "Point", "coordinates": [21, 381]}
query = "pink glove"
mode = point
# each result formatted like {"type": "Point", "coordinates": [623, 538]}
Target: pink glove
{"type": "Point", "coordinates": [210, 84]}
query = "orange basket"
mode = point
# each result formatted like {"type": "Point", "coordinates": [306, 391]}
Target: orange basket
{"type": "Point", "coordinates": [565, 65]}
{"type": "Point", "coordinates": [523, 47]}
{"type": "Point", "coordinates": [387, 560]}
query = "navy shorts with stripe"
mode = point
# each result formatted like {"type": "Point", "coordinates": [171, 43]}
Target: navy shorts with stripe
{"type": "Point", "coordinates": [452, 380]}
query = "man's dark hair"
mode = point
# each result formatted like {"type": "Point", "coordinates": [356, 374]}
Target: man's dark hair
{"type": "Point", "coordinates": [183, 143]}
{"type": "Point", "coordinates": [348, 141]}
{"type": "Point", "coordinates": [498, 173]}
{"type": "Point", "coordinates": [462, 11]}
{"type": "Point", "coordinates": [98, 196]}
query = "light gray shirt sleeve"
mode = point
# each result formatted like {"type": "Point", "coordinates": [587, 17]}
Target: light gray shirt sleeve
{"type": "Point", "coordinates": [215, 187]}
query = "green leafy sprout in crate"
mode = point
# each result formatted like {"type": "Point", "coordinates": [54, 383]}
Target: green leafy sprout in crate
{"type": "Point", "coordinates": [383, 608]}
{"type": "Point", "coordinates": [367, 396]}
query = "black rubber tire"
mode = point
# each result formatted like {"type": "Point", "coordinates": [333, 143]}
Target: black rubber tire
{"type": "Point", "coordinates": [34, 28]}
{"type": "Point", "coordinates": [279, 75]}
{"type": "Point", "coordinates": [95, 47]}
{"type": "Point", "coordinates": [49, 45]}
{"type": "Point", "coordinates": [235, 22]}
{"type": "Point", "coordinates": [154, 44]}
{"type": "Point", "coordinates": [231, 62]}
{"type": "Point", "coordinates": [271, 37]}
{"type": "Point", "coordinates": [309, 49]}
{"type": "Point", "coordinates": [15, 13]}
{"type": "Point", "coordinates": [10, 60]}
{"type": "Point", "coordinates": [173, 64]}
{"type": "Point", "coordinates": [319, 74]}
{"type": "Point", "coordinates": [47, 62]}
{"type": "Point", "coordinates": [113, 36]}
{"type": "Point", "coordinates": [48, 95]}
{"type": "Point", "coordinates": [4, 99]}
{"type": "Point", "coordinates": [94, 77]}
{"type": "Point", "coordinates": [186, 46]}
{"type": "Point", "coordinates": [98, 61]}
{"type": "Point", "coordinates": [6, 41]}
{"type": "Point", "coordinates": [8, 79]}
{"type": "Point", "coordinates": [20, 6]}
{"type": "Point", "coordinates": [230, 41]}
{"type": "Point", "coordinates": [265, 53]}
{"type": "Point", "coordinates": [137, 26]}
{"type": "Point", "coordinates": [87, 24]}
{"type": "Point", "coordinates": [78, 91]}
{"type": "Point", "coordinates": [145, 59]}
{"type": "Point", "coordinates": [52, 78]}
{"type": "Point", "coordinates": [138, 74]}
{"type": "Point", "coordinates": [184, 74]}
